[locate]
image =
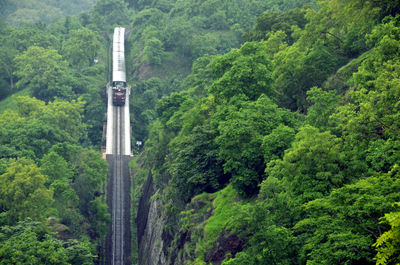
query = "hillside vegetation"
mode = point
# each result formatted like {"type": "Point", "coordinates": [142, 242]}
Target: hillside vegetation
{"type": "Point", "coordinates": [52, 177]}
{"type": "Point", "coordinates": [167, 36]}
{"type": "Point", "coordinates": [271, 128]}
{"type": "Point", "coordinates": [32, 11]}
{"type": "Point", "coordinates": [285, 150]}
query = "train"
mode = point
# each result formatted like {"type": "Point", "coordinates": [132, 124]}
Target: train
{"type": "Point", "coordinates": [118, 67]}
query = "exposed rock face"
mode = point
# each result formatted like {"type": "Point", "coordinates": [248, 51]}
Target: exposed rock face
{"type": "Point", "coordinates": [226, 243]}
{"type": "Point", "coordinates": [150, 227]}
{"type": "Point", "coordinates": [144, 72]}
{"type": "Point", "coordinates": [158, 247]}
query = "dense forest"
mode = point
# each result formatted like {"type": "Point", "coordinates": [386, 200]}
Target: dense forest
{"type": "Point", "coordinates": [52, 176]}
{"type": "Point", "coordinates": [271, 129]}
{"type": "Point", "coordinates": [31, 11]}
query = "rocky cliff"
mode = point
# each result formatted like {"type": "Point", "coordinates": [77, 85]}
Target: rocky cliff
{"type": "Point", "coordinates": [188, 242]}
{"type": "Point", "coordinates": [150, 226]}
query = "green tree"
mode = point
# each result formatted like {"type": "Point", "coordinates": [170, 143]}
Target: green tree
{"type": "Point", "coordinates": [275, 143]}
{"type": "Point", "coordinates": [272, 21]}
{"type": "Point", "coordinates": [26, 247]}
{"type": "Point", "coordinates": [240, 139]}
{"type": "Point", "coordinates": [88, 183]}
{"type": "Point", "coordinates": [265, 227]}
{"type": "Point", "coordinates": [66, 117]}
{"type": "Point", "coordinates": [153, 51]}
{"type": "Point", "coordinates": [297, 71]}
{"type": "Point", "coordinates": [388, 244]}
{"type": "Point", "coordinates": [56, 168]}
{"type": "Point", "coordinates": [99, 217]}
{"type": "Point", "coordinates": [177, 34]}
{"type": "Point", "coordinates": [270, 244]}
{"type": "Point", "coordinates": [311, 167]}
{"type": "Point", "coordinates": [142, 104]}
{"type": "Point", "coordinates": [342, 227]}
{"type": "Point", "coordinates": [27, 35]}
{"type": "Point", "coordinates": [195, 166]}
{"type": "Point", "coordinates": [106, 14]}
{"type": "Point", "coordinates": [202, 45]}
{"type": "Point", "coordinates": [23, 193]}
{"type": "Point", "coordinates": [324, 105]}
{"type": "Point", "coordinates": [246, 71]}
{"type": "Point", "coordinates": [30, 242]}
{"type": "Point", "coordinates": [369, 123]}
{"type": "Point", "coordinates": [35, 127]}
{"type": "Point", "coordinates": [81, 47]}
{"type": "Point", "coordinates": [45, 71]}
{"type": "Point", "coordinates": [7, 55]}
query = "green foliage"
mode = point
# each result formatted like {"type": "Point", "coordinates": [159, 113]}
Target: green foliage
{"type": "Point", "coordinates": [167, 106]}
{"type": "Point", "coordinates": [26, 247]}
{"type": "Point", "coordinates": [21, 38]}
{"type": "Point", "coordinates": [376, 83]}
{"type": "Point", "coordinates": [23, 193]}
{"type": "Point", "coordinates": [297, 71]}
{"type": "Point", "coordinates": [241, 137]}
{"type": "Point", "coordinates": [107, 14]}
{"type": "Point", "coordinates": [276, 202]}
{"type": "Point", "coordinates": [77, 199]}
{"type": "Point", "coordinates": [31, 11]}
{"type": "Point", "coordinates": [316, 190]}
{"type": "Point", "coordinates": [177, 33]}
{"type": "Point", "coordinates": [275, 143]}
{"type": "Point", "coordinates": [341, 25]}
{"type": "Point", "coordinates": [49, 133]}
{"type": "Point", "coordinates": [99, 217]}
{"type": "Point", "coordinates": [246, 71]}
{"type": "Point", "coordinates": [342, 227]}
{"type": "Point", "coordinates": [36, 127]}
{"type": "Point", "coordinates": [93, 171]}
{"type": "Point", "coordinates": [188, 30]}
{"type": "Point", "coordinates": [369, 122]}
{"type": "Point", "coordinates": [7, 55]}
{"type": "Point", "coordinates": [270, 244]}
{"type": "Point", "coordinates": [144, 96]}
{"type": "Point", "coordinates": [153, 51]}
{"type": "Point", "coordinates": [79, 252]}
{"type": "Point", "coordinates": [81, 47]}
{"type": "Point", "coordinates": [195, 166]}
{"type": "Point", "coordinates": [388, 244]}
{"type": "Point", "coordinates": [311, 166]}
{"type": "Point", "coordinates": [229, 126]}
{"type": "Point", "coordinates": [324, 105]}
{"type": "Point", "coordinates": [56, 168]}
{"type": "Point", "coordinates": [29, 243]}
{"type": "Point", "coordinates": [9, 102]}
{"type": "Point", "coordinates": [225, 208]}
{"type": "Point", "coordinates": [273, 21]}
{"type": "Point", "coordinates": [27, 47]}
{"type": "Point", "coordinates": [45, 71]}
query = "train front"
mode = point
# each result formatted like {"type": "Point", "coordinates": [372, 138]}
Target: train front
{"type": "Point", "coordinates": [118, 65]}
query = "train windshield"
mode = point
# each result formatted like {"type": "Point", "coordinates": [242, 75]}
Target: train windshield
{"type": "Point", "coordinates": [119, 85]}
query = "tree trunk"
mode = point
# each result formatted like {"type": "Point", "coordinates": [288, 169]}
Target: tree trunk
{"type": "Point", "coordinates": [10, 76]}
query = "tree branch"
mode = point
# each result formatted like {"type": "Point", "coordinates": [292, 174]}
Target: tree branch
{"type": "Point", "coordinates": [333, 35]}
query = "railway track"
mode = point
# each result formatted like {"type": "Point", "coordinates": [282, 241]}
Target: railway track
{"type": "Point", "coordinates": [118, 154]}
{"type": "Point", "coordinates": [118, 193]}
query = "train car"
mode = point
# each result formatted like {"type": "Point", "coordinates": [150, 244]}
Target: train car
{"type": "Point", "coordinates": [118, 67]}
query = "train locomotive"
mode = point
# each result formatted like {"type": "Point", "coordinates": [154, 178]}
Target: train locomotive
{"type": "Point", "coordinates": [118, 67]}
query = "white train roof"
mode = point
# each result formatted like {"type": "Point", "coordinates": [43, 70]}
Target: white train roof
{"type": "Point", "coordinates": [118, 55]}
